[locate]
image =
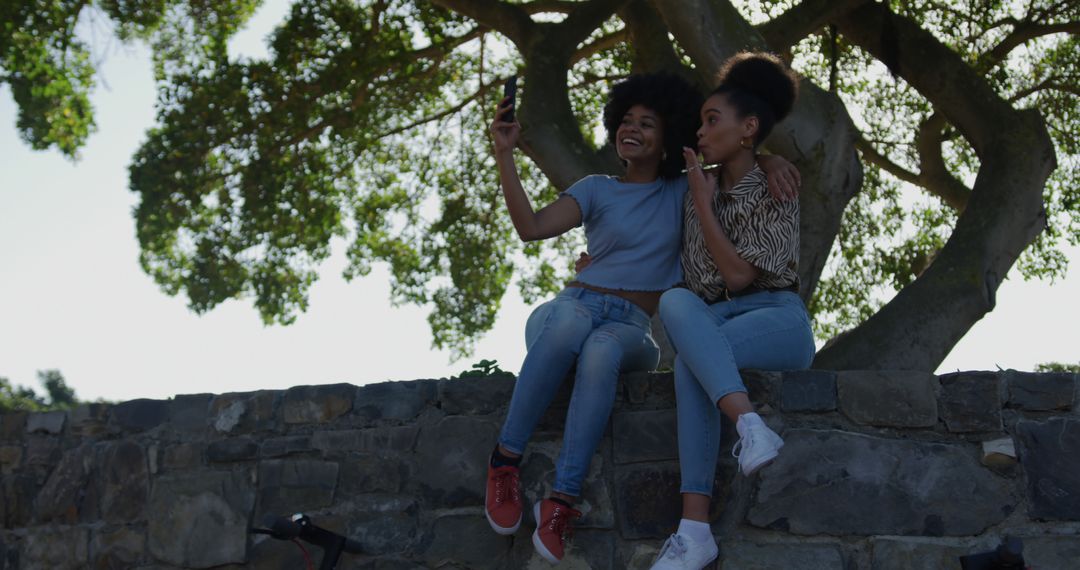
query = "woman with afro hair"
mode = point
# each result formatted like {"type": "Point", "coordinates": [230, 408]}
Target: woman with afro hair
{"type": "Point", "coordinates": [601, 320]}
{"type": "Point", "coordinates": [739, 306]}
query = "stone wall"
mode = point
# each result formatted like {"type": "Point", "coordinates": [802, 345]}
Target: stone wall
{"type": "Point", "coordinates": [881, 470]}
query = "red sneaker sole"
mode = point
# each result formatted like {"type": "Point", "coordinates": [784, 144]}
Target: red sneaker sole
{"type": "Point", "coordinates": [504, 530]}
{"type": "Point", "coordinates": [539, 544]}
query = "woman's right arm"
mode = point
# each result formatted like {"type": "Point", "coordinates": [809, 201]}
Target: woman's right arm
{"type": "Point", "coordinates": [736, 271]}
{"type": "Point", "coordinates": [554, 219]}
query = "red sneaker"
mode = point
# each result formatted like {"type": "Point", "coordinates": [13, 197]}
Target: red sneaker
{"type": "Point", "coordinates": [553, 528]}
{"type": "Point", "coordinates": [502, 501]}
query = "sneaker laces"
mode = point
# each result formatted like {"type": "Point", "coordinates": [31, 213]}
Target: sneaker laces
{"type": "Point", "coordinates": [674, 548]}
{"type": "Point", "coordinates": [506, 485]}
{"type": "Point", "coordinates": [560, 521]}
{"type": "Point", "coordinates": [738, 447]}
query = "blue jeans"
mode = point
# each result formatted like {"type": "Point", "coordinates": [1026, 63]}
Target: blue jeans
{"type": "Point", "coordinates": [766, 330]}
{"type": "Point", "coordinates": [606, 335]}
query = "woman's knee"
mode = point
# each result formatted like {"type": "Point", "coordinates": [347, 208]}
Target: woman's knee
{"type": "Point", "coordinates": [676, 304]}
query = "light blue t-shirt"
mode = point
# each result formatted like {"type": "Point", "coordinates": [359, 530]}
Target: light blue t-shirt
{"type": "Point", "coordinates": [634, 231]}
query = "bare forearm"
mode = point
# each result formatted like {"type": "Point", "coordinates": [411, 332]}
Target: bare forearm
{"type": "Point", "coordinates": [553, 219]}
{"type": "Point", "coordinates": [736, 271]}
{"type": "Point", "coordinates": [521, 211]}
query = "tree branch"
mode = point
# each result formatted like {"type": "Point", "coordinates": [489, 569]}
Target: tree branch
{"type": "Point", "coordinates": [549, 6]}
{"type": "Point", "coordinates": [1048, 84]}
{"type": "Point", "coordinates": [934, 176]}
{"type": "Point", "coordinates": [587, 18]}
{"type": "Point", "coordinates": [551, 135]}
{"type": "Point", "coordinates": [710, 32]}
{"type": "Point", "coordinates": [436, 52]}
{"type": "Point", "coordinates": [600, 44]}
{"type": "Point", "coordinates": [1020, 35]}
{"type": "Point", "coordinates": [803, 19]}
{"type": "Point", "coordinates": [510, 20]}
{"type": "Point", "coordinates": [871, 155]}
{"type": "Point", "coordinates": [1047, 12]}
{"type": "Point", "coordinates": [440, 50]}
{"type": "Point", "coordinates": [446, 112]}
{"type": "Point", "coordinates": [591, 79]}
{"type": "Point", "coordinates": [652, 50]}
{"type": "Point", "coordinates": [962, 95]}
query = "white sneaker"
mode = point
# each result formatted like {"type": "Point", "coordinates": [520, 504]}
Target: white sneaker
{"type": "Point", "coordinates": [683, 553]}
{"type": "Point", "coordinates": [758, 445]}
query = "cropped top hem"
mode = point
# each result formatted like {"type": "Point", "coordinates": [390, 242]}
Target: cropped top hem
{"type": "Point", "coordinates": [624, 289]}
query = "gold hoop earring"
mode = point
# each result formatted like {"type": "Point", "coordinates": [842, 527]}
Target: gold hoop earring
{"type": "Point", "coordinates": [746, 143]}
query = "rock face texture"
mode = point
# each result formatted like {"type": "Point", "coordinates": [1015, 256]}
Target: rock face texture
{"type": "Point", "coordinates": [880, 470]}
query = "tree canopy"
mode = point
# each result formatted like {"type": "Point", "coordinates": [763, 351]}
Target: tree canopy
{"type": "Point", "coordinates": [367, 123]}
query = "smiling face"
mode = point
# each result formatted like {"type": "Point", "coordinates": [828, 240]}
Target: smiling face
{"type": "Point", "coordinates": [722, 130]}
{"type": "Point", "coordinates": [640, 136]}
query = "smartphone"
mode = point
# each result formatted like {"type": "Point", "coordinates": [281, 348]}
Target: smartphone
{"type": "Point", "coordinates": [510, 90]}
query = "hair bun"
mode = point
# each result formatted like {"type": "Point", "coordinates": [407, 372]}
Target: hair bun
{"type": "Point", "coordinates": [766, 76]}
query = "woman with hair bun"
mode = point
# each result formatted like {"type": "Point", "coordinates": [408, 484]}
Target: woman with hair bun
{"type": "Point", "coordinates": [740, 307]}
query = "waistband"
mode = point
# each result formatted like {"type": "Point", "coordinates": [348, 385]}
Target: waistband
{"type": "Point", "coordinates": [609, 300]}
{"type": "Point", "coordinates": [726, 294]}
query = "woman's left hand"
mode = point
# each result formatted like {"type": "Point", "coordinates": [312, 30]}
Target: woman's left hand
{"type": "Point", "coordinates": [783, 177]}
{"type": "Point", "coordinates": [701, 182]}
{"type": "Point", "coordinates": [582, 262]}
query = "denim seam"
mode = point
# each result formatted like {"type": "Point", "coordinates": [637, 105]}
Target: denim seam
{"type": "Point", "coordinates": [726, 344]}
{"type": "Point", "coordinates": [705, 428]}
{"type": "Point", "coordinates": [731, 346]}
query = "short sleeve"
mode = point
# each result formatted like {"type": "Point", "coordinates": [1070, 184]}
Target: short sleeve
{"type": "Point", "coordinates": [767, 242]}
{"type": "Point", "coordinates": [584, 193]}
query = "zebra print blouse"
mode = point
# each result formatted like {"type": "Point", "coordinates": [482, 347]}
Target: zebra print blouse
{"type": "Point", "coordinates": [765, 232]}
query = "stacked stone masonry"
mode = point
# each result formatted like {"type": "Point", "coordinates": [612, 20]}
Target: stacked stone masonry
{"type": "Point", "coordinates": [881, 470]}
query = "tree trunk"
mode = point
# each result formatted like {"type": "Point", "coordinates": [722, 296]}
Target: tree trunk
{"type": "Point", "coordinates": [918, 328]}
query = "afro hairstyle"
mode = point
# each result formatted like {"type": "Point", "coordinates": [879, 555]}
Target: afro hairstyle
{"type": "Point", "coordinates": [671, 97]}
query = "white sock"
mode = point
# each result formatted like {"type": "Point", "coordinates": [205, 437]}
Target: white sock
{"type": "Point", "coordinates": [696, 531]}
{"type": "Point", "coordinates": [745, 420]}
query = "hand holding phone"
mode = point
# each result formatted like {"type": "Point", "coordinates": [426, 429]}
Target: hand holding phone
{"type": "Point", "coordinates": [510, 90]}
{"type": "Point", "coordinates": [504, 129]}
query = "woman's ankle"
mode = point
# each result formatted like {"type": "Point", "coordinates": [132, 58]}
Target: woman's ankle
{"type": "Point", "coordinates": [506, 452]}
{"type": "Point", "coordinates": [500, 458]}
{"type": "Point", "coordinates": [563, 498]}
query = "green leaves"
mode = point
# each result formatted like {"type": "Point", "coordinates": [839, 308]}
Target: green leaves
{"type": "Point", "coordinates": [58, 396]}
{"type": "Point", "coordinates": [358, 126]}
{"type": "Point", "coordinates": [368, 123]}
{"type": "Point", "coordinates": [49, 72]}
